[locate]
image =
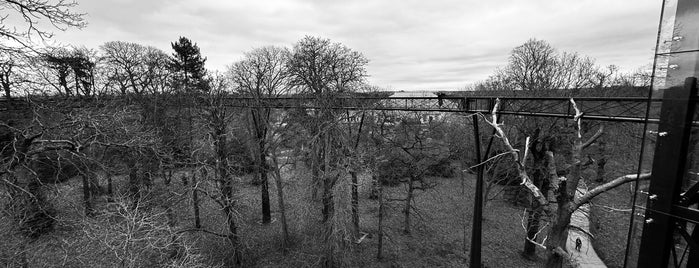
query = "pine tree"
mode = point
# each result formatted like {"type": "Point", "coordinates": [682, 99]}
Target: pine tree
{"type": "Point", "coordinates": [188, 64]}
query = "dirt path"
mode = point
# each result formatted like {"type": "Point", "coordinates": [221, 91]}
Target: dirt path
{"type": "Point", "coordinates": [580, 228]}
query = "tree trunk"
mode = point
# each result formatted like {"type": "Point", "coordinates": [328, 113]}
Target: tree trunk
{"type": "Point", "coordinates": [374, 187]}
{"type": "Point", "coordinates": [558, 239]}
{"type": "Point", "coordinates": [233, 231]}
{"type": "Point", "coordinates": [602, 161]}
{"type": "Point", "coordinates": [264, 185]}
{"type": "Point", "coordinates": [282, 208]}
{"type": "Point", "coordinates": [328, 182]}
{"type": "Point", "coordinates": [195, 200]}
{"type": "Point", "coordinates": [167, 176]}
{"type": "Point", "coordinates": [77, 82]}
{"type": "Point", "coordinates": [87, 195]}
{"type": "Point", "coordinates": [134, 187]}
{"type": "Point", "coordinates": [185, 182]}
{"type": "Point", "coordinates": [226, 185]}
{"type": "Point", "coordinates": [355, 203]}
{"type": "Point", "coordinates": [600, 169]}
{"type": "Point", "coordinates": [110, 188]}
{"type": "Point", "coordinates": [380, 231]}
{"type": "Point", "coordinates": [23, 260]}
{"type": "Point", "coordinates": [535, 209]}
{"type": "Point", "coordinates": [6, 86]}
{"type": "Point", "coordinates": [175, 247]}
{"type": "Point", "coordinates": [64, 83]}
{"type": "Point", "coordinates": [408, 206]}
{"type": "Point", "coordinates": [328, 204]}
{"type": "Point", "coordinates": [533, 219]}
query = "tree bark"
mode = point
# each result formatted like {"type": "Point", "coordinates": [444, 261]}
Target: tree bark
{"type": "Point", "coordinates": [328, 182]}
{"type": "Point", "coordinates": [602, 161]}
{"type": "Point", "coordinates": [536, 209]}
{"type": "Point", "coordinates": [226, 185]}
{"type": "Point", "coordinates": [533, 220]}
{"type": "Point", "coordinates": [355, 203]}
{"type": "Point", "coordinates": [380, 231]}
{"type": "Point", "coordinates": [134, 187]}
{"type": "Point", "coordinates": [195, 201]}
{"type": "Point", "coordinates": [281, 204]}
{"type": "Point", "coordinates": [328, 204]}
{"type": "Point", "coordinates": [408, 206]}
{"type": "Point", "coordinates": [264, 185]}
{"type": "Point", "coordinates": [558, 239]}
{"type": "Point", "coordinates": [5, 80]}
{"type": "Point", "coordinates": [110, 188]}
{"type": "Point", "coordinates": [87, 195]}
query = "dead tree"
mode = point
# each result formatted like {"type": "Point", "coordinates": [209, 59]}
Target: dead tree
{"type": "Point", "coordinates": [561, 189]}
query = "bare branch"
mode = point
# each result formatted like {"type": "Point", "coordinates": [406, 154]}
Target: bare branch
{"type": "Point", "coordinates": [526, 181]}
{"type": "Point", "coordinates": [533, 239]}
{"type": "Point", "coordinates": [594, 138]}
{"type": "Point", "coordinates": [606, 187]}
{"type": "Point", "coordinates": [577, 117]}
{"type": "Point", "coordinates": [491, 159]}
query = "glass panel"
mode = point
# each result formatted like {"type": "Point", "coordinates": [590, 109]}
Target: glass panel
{"type": "Point", "coordinates": [676, 60]}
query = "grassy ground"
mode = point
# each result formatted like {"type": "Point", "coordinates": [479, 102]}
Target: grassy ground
{"type": "Point", "coordinates": [437, 239]}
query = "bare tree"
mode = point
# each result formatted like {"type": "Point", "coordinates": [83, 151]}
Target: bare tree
{"type": "Point", "coordinates": [262, 75]}
{"type": "Point", "coordinates": [324, 69]}
{"type": "Point", "coordinates": [536, 65]}
{"type": "Point", "coordinates": [13, 69]}
{"type": "Point", "coordinates": [217, 118]}
{"type": "Point", "coordinates": [561, 189]}
{"type": "Point", "coordinates": [131, 67]}
{"type": "Point", "coordinates": [413, 147]}
{"type": "Point", "coordinates": [31, 13]}
{"type": "Point", "coordinates": [532, 65]}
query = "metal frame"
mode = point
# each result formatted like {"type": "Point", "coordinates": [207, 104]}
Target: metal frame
{"type": "Point", "coordinates": [665, 209]}
{"type": "Point", "coordinates": [614, 109]}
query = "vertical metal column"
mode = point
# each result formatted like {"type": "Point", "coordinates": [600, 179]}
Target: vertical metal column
{"type": "Point", "coordinates": [669, 168]}
{"type": "Point", "coordinates": [476, 231]}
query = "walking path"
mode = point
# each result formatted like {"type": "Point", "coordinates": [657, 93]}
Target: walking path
{"type": "Point", "coordinates": [580, 228]}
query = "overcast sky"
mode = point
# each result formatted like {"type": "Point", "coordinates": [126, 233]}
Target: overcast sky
{"type": "Point", "coordinates": [411, 44]}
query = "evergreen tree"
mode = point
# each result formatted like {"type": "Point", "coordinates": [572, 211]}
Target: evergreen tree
{"type": "Point", "coordinates": [188, 65]}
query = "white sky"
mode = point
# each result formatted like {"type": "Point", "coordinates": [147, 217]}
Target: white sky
{"type": "Point", "coordinates": [411, 44]}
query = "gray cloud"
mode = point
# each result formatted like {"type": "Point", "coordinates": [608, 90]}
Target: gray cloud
{"type": "Point", "coordinates": [411, 44]}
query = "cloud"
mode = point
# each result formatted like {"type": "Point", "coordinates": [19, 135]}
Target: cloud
{"type": "Point", "coordinates": [411, 44]}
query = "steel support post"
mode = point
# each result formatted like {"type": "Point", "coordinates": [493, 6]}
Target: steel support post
{"type": "Point", "coordinates": [476, 230]}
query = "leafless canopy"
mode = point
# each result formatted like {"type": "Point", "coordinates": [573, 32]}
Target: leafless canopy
{"type": "Point", "coordinates": [32, 13]}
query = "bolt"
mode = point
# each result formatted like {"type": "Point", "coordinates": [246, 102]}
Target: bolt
{"type": "Point", "coordinates": [649, 220]}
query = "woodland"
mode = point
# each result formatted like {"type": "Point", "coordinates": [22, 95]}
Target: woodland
{"type": "Point", "coordinates": [126, 155]}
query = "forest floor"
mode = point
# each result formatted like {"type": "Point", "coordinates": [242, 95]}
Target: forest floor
{"type": "Point", "coordinates": [441, 216]}
{"type": "Point", "coordinates": [437, 239]}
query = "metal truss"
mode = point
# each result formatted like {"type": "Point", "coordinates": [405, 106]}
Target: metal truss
{"type": "Point", "coordinates": [617, 109]}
